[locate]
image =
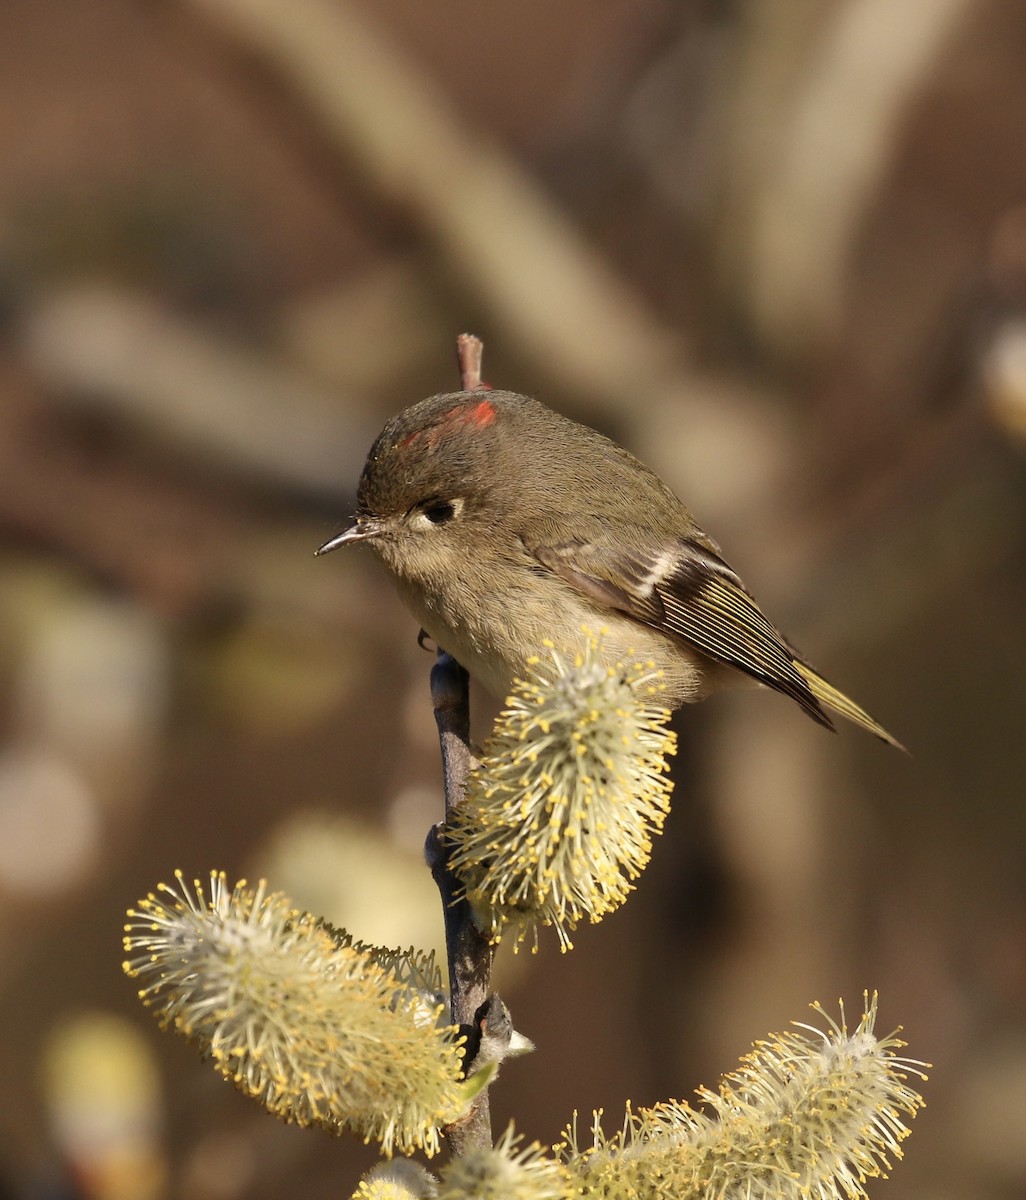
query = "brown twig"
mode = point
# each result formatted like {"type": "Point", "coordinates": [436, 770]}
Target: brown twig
{"type": "Point", "coordinates": [469, 351]}
{"type": "Point", "coordinates": [469, 952]}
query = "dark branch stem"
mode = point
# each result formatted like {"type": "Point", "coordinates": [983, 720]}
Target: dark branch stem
{"type": "Point", "coordinates": [468, 951]}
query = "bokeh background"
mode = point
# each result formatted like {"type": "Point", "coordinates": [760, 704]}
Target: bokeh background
{"type": "Point", "coordinates": [779, 250]}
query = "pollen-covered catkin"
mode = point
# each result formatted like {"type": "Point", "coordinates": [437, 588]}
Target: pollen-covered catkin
{"type": "Point", "coordinates": [315, 1029]}
{"type": "Point", "coordinates": [560, 814]}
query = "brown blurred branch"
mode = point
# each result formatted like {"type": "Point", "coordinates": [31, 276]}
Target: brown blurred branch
{"type": "Point", "coordinates": [813, 135]}
{"type": "Point", "coordinates": [123, 353]}
{"type": "Point", "coordinates": [553, 295]}
{"type": "Point", "coordinates": [157, 539]}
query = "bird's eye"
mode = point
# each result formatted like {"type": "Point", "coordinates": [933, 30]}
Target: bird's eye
{"type": "Point", "coordinates": [431, 513]}
{"type": "Point", "coordinates": [439, 512]}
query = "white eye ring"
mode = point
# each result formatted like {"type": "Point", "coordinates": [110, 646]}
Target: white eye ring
{"type": "Point", "coordinates": [437, 512]}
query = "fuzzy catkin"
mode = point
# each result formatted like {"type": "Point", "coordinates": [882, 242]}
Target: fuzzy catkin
{"type": "Point", "coordinates": [319, 1032]}
{"type": "Point", "coordinates": [560, 813]}
{"type": "Point", "coordinates": [806, 1114]}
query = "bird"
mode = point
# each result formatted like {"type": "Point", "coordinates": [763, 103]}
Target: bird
{"type": "Point", "coordinates": [509, 528]}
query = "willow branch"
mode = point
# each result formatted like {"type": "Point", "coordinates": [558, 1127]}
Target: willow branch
{"type": "Point", "coordinates": [467, 949]}
{"type": "Point", "coordinates": [469, 352]}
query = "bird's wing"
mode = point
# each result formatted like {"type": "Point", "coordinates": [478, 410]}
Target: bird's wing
{"type": "Point", "coordinates": [685, 589]}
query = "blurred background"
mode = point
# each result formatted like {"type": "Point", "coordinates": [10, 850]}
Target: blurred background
{"type": "Point", "coordinates": [779, 250]}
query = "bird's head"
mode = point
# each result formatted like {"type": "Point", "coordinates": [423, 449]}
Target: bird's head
{"type": "Point", "coordinates": [429, 488]}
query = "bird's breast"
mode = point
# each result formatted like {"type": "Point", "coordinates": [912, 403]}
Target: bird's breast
{"type": "Point", "coordinates": [494, 633]}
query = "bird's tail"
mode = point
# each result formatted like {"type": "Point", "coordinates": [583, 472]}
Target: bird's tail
{"type": "Point", "coordinates": [827, 694]}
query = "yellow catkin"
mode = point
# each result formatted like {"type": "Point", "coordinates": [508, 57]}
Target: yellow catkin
{"type": "Point", "coordinates": [561, 812]}
{"type": "Point", "coordinates": [319, 1030]}
{"type": "Point", "coordinates": [505, 1172]}
{"type": "Point", "coordinates": [808, 1113]}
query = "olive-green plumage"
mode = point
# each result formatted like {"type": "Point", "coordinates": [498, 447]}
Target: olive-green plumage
{"type": "Point", "coordinates": [507, 526]}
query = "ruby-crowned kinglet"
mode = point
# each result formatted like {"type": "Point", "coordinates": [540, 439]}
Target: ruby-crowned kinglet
{"type": "Point", "coordinates": [508, 526]}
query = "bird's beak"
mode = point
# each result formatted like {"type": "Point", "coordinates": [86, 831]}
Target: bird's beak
{"type": "Point", "coordinates": [362, 529]}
